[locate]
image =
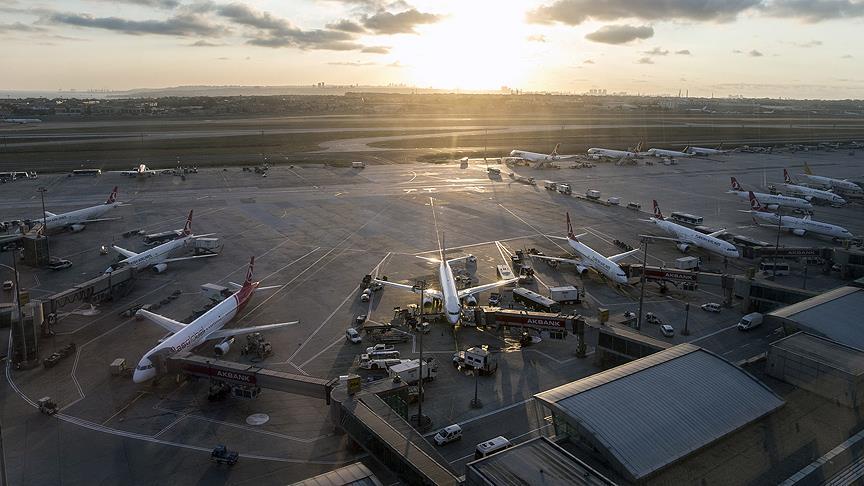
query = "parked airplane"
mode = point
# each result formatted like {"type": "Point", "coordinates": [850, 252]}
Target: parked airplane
{"type": "Point", "coordinates": [655, 152]}
{"type": "Point", "coordinates": [797, 226]}
{"type": "Point", "coordinates": [842, 185]}
{"type": "Point", "coordinates": [771, 201]}
{"type": "Point", "coordinates": [590, 259]}
{"type": "Point", "coordinates": [535, 157]}
{"type": "Point", "coordinates": [809, 193]}
{"type": "Point", "coordinates": [205, 328]}
{"type": "Point", "coordinates": [22, 121]}
{"type": "Point", "coordinates": [141, 170]}
{"type": "Point", "coordinates": [75, 220]}
{"type": "Point", "coordinates": [158, 257]}
{"type": "Point", "coordinates": [706, 151]}
{"type": "Point", "coordinates": [685, 237]}
{"type": "Point", "coordinates": [448, 294]}
{"type": "Point", "coordinates": [615, 154]}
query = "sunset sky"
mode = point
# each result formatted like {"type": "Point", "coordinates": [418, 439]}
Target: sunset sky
{"type": "Point", "coordinates": [778, 48]}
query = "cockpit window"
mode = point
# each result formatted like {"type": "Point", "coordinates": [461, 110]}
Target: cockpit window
{"type": "Point", "coordinates": [144, 367]}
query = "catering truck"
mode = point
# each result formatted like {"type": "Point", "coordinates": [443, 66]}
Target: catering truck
{"type": "Point", "coordinates": [409, 371]}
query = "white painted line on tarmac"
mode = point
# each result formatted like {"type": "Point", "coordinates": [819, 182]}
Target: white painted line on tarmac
{"type": "Point", "coordinates": [733, 326]}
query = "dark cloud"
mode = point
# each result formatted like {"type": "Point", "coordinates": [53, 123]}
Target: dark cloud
{"type": "Point", "coordinates": [683, 52]}
{"type": "Point", "coordinates": [376, 49]}
{"type": "Point", "coordinates": [620, 34]}
{"type": "Point", "coordinates": [737, 51]}
{"type": "Point", "coordinates": [587, 61]}
{"type": "Point", "coordinates": [574, 12]}
{"type": "Point", "coordinates": [346, 25]}
{"type": "Point", "coordinates": [656, 52]}
{"type": "Point", "coordinates": [536, 38]}
{"type": "Point", "coordinates": [275, 31]}
{"type": "Point", "coordinates": [204, 43]}
{"type": "Point", "coordinates": [183, 25]}
{"type": "Point", "coordinates": [813, 10]}
{"type": "Point", "coordinates": [383, 22]}
{"type": "Point", "coordinates": [376, 5]}
{"type": "Point", "coordinates": [644, 60]}
{"type": "Point", "coordinates": [755, 53]}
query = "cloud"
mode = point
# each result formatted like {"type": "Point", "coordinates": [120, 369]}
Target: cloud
{"type": "Point", "coordinates": [812, 43]}
{"type": "Point", "coordinates": [346, 25]}
{"type": "Point", "coordinates": [222, 58]}
{"type": "Point", "coordinates": [383, 22]}
{"type": "Point", "coordinates": [755, 53]}
{"type": "Point", "coordinates": [183, 25]}
{"type": "Point", "coordinates": [812, 11]}
{"type": "Point", "coordinates": [20, 27]}
{"type": "Point", "coordinates": [575, 12]}
{"type": "Point", "coordinates": [166, 4]}
{"type": "Point", "coordinates": [656, 52]}
{"type": "Point", "coordinates": [620, 34]}
{"type": "Point", "coordinates": [352, 63]}
{"type": "Point", "coordinates": [846, 56]}
{"type": "Point", "coordinates": [587, 61]}
{"type": "Point", "coordinates": [683, 52]}
{"type": "Point", "coordinates": [737, 51]}
{"type": "Point", "coordinates": [644, 60]}
{"type": "Point", "coordinates": [204, 43]}
{"type": "Point", "coordinates": [536, 38]}
{"type": "Point", "coordinates": [376, 49]}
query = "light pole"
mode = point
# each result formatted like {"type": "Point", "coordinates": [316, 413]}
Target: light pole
{"type": "Point", "coordinates": [476, 402]}
{"type": "Point", "coordinates": [42, 191]}
{"type": "Point", "coordinates": [686, 331]}
{"type": "Point", "coordinates": [420, 285]}
{"type": "Point", "coordinates": [777, 244]}
{"type": "Point", "coordinates": [645, 240]}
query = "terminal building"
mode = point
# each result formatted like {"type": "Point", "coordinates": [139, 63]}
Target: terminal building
{"type": "Point", "coordinates": [835, 315]}
{"type": "Point", "coordinates": [640, 418]}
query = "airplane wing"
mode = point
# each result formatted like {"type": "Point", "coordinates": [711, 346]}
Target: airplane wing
{"type": "Point", "coordinates": [485, 287]}
{"type": "Point", "coordinates": [453, 260]}
{"type": "Point", "coordinates": [224, 333]}
{"type": "Point", "coordinates": [621, 256]}
{"type": "Point", "coordinates": [565, 260]}
{"type": "Point", "coordinates": [717, 233]}
{"type": "Point", "coordinates": [237, 286]}
{"type": "Point", "coordinates": [170, 324]}
{"type": "Point", "coordinates": [431, 292]}
{"type": "Point", "coordinates": [126, 253]}
{"type": "Point", "coordinates": [50, 214]}
{"type": "Point", "coordinates": [99, 219]}
{"type": "Point", "coordinates": [180, 259]}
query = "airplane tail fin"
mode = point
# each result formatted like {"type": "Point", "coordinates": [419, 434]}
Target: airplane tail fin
{"type": "Point", "coordinates": [786, 177]}
{"type": "Point", "coordinates": [657, 213]}
{"type": "Point", "coordinates": [735, 185]}
{"type": "Point", "coordinates": [555, 150]}
{"type": "Point", "coordinates": [187, 229]}
{"type": "Point", "coordinates": [248, 280]}
{"type": "Point", "coordinates": [570, 233]}
{"type": "Point", "coordinates": [112, 198]}
{"type": "Point", "coordinates": [639, 146]}
{"type": "Point", "coordinates": [807, 169]}
{"type": "Point", "coordinates": [755, 205]}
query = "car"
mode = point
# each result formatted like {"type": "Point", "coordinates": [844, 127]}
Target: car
{"type": "Point", "coordinates": [8, 285]}
{"type": "Point", "coordinates": [652, 318]}
{"type": "Point", "coordinates": [366, 295]}
{"type": "Point", "coordinates": [59, 264]}
{"type": "Point", "coordinates": [494, 299]}
{"type": "Point", "coordinates": [667, 330]}
{"type": "Point", "coordinates": [352, 336]}
{"type": "Point", "coordinates": [359, 320]}
{"type": "Point", "coordinates": [711, 307]}
{"type": "Point", "coordinates": [447, 435]}
{"type": "Point", "coordinates": [629, 315]}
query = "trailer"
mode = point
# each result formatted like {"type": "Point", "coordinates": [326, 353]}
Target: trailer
{"type": "Point", "coordinates": [551, 185]}
{"type": "Point", "coordinates": [564, 295]}
{"type": "Point", "coordinates": [409, 371]}
{"type": "Point", "coordinates": [205, 246]}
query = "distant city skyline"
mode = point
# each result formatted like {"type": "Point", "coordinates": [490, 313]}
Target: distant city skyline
{"type": "Point", "coordinates": [752, 48]}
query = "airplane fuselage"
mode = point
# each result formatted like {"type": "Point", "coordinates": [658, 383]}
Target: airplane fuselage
{"type": "Point", "coordinates": [831, 183]}
{"type": "Point", "coordinates": [76, 217]}
{"type": "Point", "coordinates": [810, 193]}
{"type": "Point", "coordinates": [775, 200]}
{"type": "Point", "coordinates": [155, 256]}
{"type": "Point", "coordinates": [695, 238]}
{"type": "Point", "coordinates": [598, 262]}
{"type": "Point", "coordinates": [666, 153]}
{"type": "Point", "coordinates": [617, 154]}
{"type": "Point", "coordinates": [705, 151]}
{"type": "Point", "coordinates": [452, 304]}
{"type": "Point", "coordinates": [800, 225]}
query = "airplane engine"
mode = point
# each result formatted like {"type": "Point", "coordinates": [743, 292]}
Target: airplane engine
{"type": "Point", "coordinates": [582, 270]}
{"type": "Point", "coordinates": [470, 301]}
{"type": "Point", "coordinates": [76, 227]}
{"type": "Point", "coordinates": [427, 300]}
{"type": "Point", "coordinates": [798, 232]}
{"type": "Point", "coordinates": [160, 267]}
{"type": "Point", "coordinates": [773, 207]}
{"type": "Point", "coordinates": [223, 347]}
{"type": "Point", "coordinates": [683, 247]}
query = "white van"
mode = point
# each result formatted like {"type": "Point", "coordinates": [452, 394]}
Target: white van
{"type": "Point", "coordinates": [448, 434]}
{"type": "Point", "coordinates": [491, 446]}
{"type": "Point", "coordinates": [754, 319]}
{"type": "Point", "coordinates": [353, 336]}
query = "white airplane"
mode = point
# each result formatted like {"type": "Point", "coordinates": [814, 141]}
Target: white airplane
{"type": "Point", "coordinates": [75, 220]}
{"type": "Point", "coordinates": [141, 170]}
{"type": "Point", "coordinates": [535, 157]}
{"type": "Point", "coordinates": [706, 151]}
{"type": "Point", "coordinates": [809, 193]}
{"type": "Point", "coordinates": [771, 201]}
{"type": "Point", "coordinates": [615, 154]}
{"type": "Point", "coordinates": [797, 226]}
{"type": "Point", "coordinates": [590, 259]}
{"type": "Point", "coordinates": [22, 121]}
{"type": "Point", "coordinates": [205, 328]}
{"type": "Point", "coordinates": [684, 237]}
{"type": "Point", "coordinates": [655, 152]}
{"type": "Point", "coordinates": [842, 185]}
{"type": "Point", "coordinates": [158, 256]}
{"type": "Point", "coordinates": [449, 295]}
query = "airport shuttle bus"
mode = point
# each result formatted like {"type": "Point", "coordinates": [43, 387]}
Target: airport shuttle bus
{"type": "Point", "coordinates": [685, 218]}
{"type": "Point", "coordinates": [535, 301]}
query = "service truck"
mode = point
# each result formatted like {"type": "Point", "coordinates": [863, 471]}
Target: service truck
{"type": "Point", "coordinates": [551, 185]}
{"type": "Point", "coordinates": [564, 295]}
{"type": "Point", "coordinates": [565, 189]}
{"type": "Point", "coordinates": [592, 194]}
{"type": "Point", "coordinates": [687, 263]}
{"type": "Point", "coordinates": [358, 165]}
{"type": "Point", "coordinates": [409, 371]}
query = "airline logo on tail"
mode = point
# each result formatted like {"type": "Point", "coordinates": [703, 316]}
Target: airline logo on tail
{"type": "Point", "coordinates": [639, 146]}
{"type": "Point", "coordinates": [786, 177]}
{"type": "Point", "coordinates": [657, 213]}
{"type": "Point", "coordinates": [736, 186]}
{"type": "Point", "coordinates": [187, 230]}
{"type": "Point", "coordinates": [754, 203]}
{"type": "Point", "coordinates": [570, 233]}
{"type": "Point", "coordinates": [248, 280]}
{"type": "Point", "coordinates": [555, 150]}
{"type": "Point", "coordinates": [112, 198]}
{"type": "Point", "coordinates": [807, 169]}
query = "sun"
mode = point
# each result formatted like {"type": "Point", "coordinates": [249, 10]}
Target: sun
{"type": "Point", "coordinates": [480, 45]}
